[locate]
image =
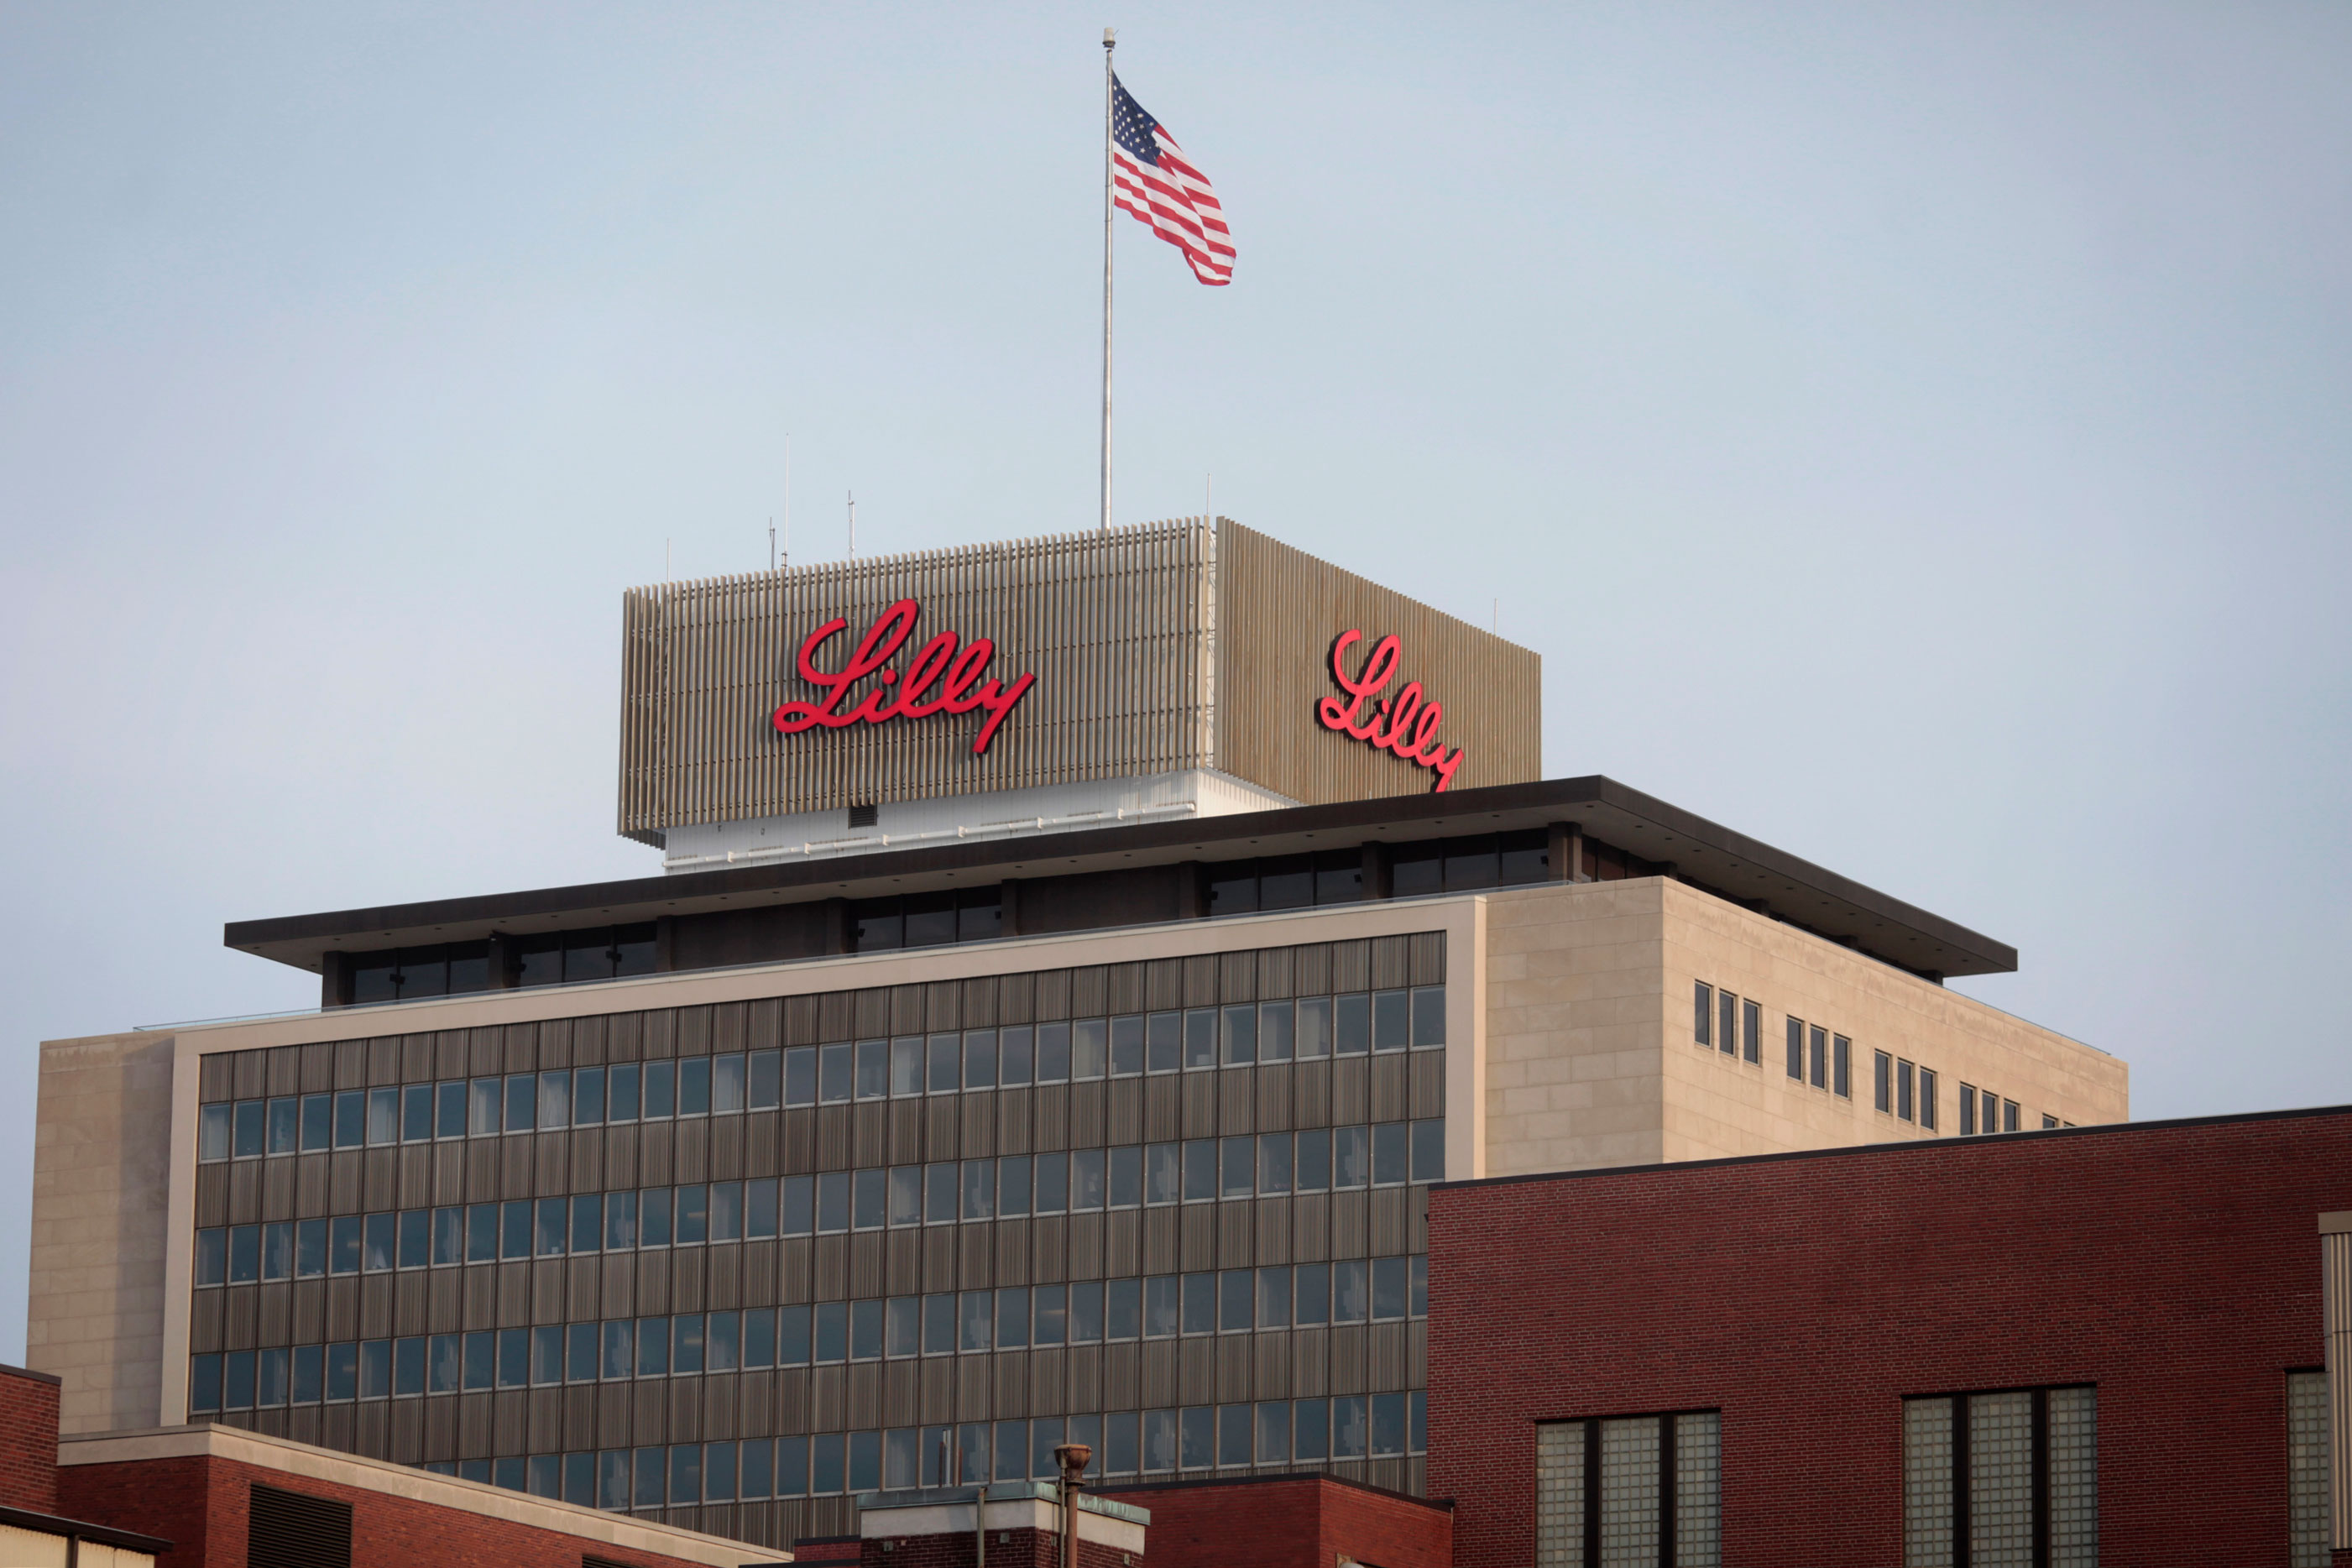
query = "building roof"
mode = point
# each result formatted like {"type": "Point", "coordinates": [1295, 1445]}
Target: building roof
{"type": "Point", "coordinates": [1716, 858]}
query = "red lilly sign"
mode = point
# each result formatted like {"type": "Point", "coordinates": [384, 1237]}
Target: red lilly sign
{"type": "Point", "coordinates": [945, 662]}
{"type": "Point", "coordinates": [1404, 725]}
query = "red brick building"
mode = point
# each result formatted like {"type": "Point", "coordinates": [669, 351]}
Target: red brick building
{"type": "Point", "coordinates": [2093, 1344]}
{"type": "Point", "coordinates": [188, 1497]}
{"type": "Point", "coordinates": [1292, 1521]}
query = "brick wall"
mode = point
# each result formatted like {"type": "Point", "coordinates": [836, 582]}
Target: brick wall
{"type": "Point", "coordinates": [1291, 1522]}
{"type": "Point", "coordinates": [2175, 1266]}
{"type": "Point", "coordinates": [28, 1441]}
{"type": "Point", "coordinates": [201, 1503]}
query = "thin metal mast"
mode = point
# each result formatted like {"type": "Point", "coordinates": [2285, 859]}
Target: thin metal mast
{"type": "Point", "coordinates": [1110, 42]}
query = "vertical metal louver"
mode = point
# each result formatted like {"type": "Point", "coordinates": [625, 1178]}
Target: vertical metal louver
{"type": "Point", "coordinates": [294, 1530]}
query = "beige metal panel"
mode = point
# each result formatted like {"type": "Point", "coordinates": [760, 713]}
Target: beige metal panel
{"type": "Point", "coordinates": [1278, 610]}
{"type": "Point", "coordinates": [1110, 624]}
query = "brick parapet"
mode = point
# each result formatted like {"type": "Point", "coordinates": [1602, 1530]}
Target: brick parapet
{"type": "Point", "coordinates": [200, 1502]}
{"type": "Point", "coordinates": [28, 1441]}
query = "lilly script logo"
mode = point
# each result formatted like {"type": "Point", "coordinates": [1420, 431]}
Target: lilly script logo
{"type": "Point", "coordinates": [1404, 725]}
{"type": "Point", "coordinates": [946, 663]}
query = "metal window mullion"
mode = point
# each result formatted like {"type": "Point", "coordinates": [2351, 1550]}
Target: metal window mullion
{"type": "Point", "coordinates": [1669, 1475]}
{"type": "Point", "coordinates": [2040, 1477]}
{"type": "Point", "coordinates": [1592, 1494]}
{"type": "Point", "coordinates": [1962, 1556]}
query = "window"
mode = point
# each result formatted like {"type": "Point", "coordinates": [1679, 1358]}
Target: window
{"type": "Point", "coordinates": [2008, 1116]}
{"type": "Point", "coordinates": [1640, 1489]}
{"type": "Point", "coordinates": [1841, 1067]}
{"type": "Point", "coordinates": [1286, 883]}
{"type": "Point", "coordinates": [926, 920]}
{"type": "Point", "coordinates": [1751, 1033]}
{"type": "Point", "coordinates": [1902, 1091]}
{"type": "Point", "coordinates": [2307, 1477]}
{"type": "Point", "coordinates": [2011, 1477]}
{"type": "Point", "coordinates": [1797, 1049]}
{"type": "Point", "coordinates": [1881, 1081]}
{"type": "Point", "coordinates": [1727, 1030]}
{"type": "Point", "coordinates": [1967, 1109]}
{"type": "Point", "coordinates": [1927, 1099]}
{"type": "Point", "coordinates": [1702, 1014]}
{"type": "Point", "coordinates": [1821, 1057]}
{"type": "Point", "coordinates": [1478, 860]}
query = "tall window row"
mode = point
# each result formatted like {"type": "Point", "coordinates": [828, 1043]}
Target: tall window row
{"type": "Point", "coordinates": [1731, 1025]}
{"type": "Point", "coordinates": [1306, 1029]}
{"type": "Point", "coordinates": [1644, 1490]}
{"type": "Point", "coordinates": [1126, 1443]}
{"type": "Point", "coordinates": [955, 1323]}
{"type": "Point", "coordinates": [1734, 1025]}
{"type": "Point", "coordinates": [2000, 1478]}
{"type": "Point", "coordinates": [1904, 1089]}
{"type": "Point", "coordinates": [1982, 1111]}
{"type": "Point", "coordinates": [1132, 1176]}
{"type": "Point", "coordinates": [450, 969]}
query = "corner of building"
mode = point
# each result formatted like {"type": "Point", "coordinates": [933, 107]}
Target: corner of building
{"type": "Point", "coordinates": [101, 1232]}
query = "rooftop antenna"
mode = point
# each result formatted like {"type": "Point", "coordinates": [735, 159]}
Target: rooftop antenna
{"type": "Point", "coordinates": [853, 525]}
{"type": "Point", "coordinates": [772, 543]}
{"type": "Point", "coordinates": [787, 558]}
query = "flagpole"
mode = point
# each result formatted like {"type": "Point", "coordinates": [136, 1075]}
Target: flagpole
{"type": "Point", "coordinates": [1110, 42]}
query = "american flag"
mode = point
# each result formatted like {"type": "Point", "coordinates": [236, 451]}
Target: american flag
{"type": "Point", "coordinates": [1153, 181]}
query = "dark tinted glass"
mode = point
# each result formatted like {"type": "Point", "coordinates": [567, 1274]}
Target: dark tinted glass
{"type": "Point", "coordinates": [1417, 868]}
{"type": "Point", "coordinates": [877, 925]}
{"type": "Point", "coordinates": [1471, 863]}
{"type": "Point", "coordinates": [1286, 883]}
{"type": "Point", "coordinates": [979, 918]}
{"type": "Point", "coordinates": [632, 951]}
{"type": "Point", "coordinates": [469, 967]}
{"type": "Point", "coordinates": [931, 918]}
{"type": "Point", "coordinates": [1233, 887]}
{"type": "Point", "coordinates": [1526, 856]}
{"type": "Point", "coordinates": [588, 955]}
{"type": "Point", "coordinates": [1340, 876]}
{"type": "Point", "coordinates": [538, 960]}
{"type": "Point", "coordinates": [424, 974]}
{"type": "Point", "coordinates": [371, 978]}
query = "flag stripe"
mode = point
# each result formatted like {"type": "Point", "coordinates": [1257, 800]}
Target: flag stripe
{"type": "Point", "coordinates": [1154, 183]}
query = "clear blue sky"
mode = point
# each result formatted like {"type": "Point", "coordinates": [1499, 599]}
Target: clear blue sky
{"type": "Point", "coordinates": [1915, 437]}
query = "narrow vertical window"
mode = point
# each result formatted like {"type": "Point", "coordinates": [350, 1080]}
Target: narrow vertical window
{"type": "Point", "coordinates": [1967, 1110]}
{"type": "Point", "coordinates": [1841, 1067]}
{"type": "Point", "coordinates": [2307, 1470]}
{"type": "Point", "coordinates": [1727, 1024]}
{"type": "Point", "coordinates": [1751, 1033]}
{"type": "Point", "coordinates": [2008, 1116]}
{"type": "Point", "coordinates": [1797, 1049]}
{"type": "Point", "coordinates": [1703, 1015]}
{"type": "Point", "coordinates": [1821, 1057]}
{"type": "Point", "coordinates": [1903, 1091]}
{"type": "Point", "coordinates": [1881, 1081]}
{"type": "Point", "coordinates": [1927, 1099]}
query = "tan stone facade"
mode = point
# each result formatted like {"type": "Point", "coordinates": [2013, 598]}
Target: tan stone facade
{"type": "Point", "coordinates": [1591, 1060]}
{"type": "Point", "coordinates": [102, 1162]}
